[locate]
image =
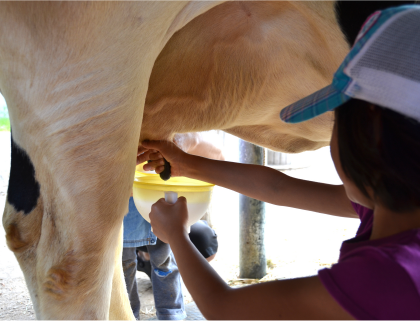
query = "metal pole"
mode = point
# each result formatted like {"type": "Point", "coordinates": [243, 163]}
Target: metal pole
{"type": "Point", "coordinates": [252, 260]}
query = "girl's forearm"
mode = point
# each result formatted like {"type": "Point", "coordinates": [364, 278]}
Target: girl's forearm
{"type": "Point", "coordinates": [203, 283]}
{"type": "Point", "coordinates": [259, 182]}
{"type": "Point", "coordinates": [268, 185]}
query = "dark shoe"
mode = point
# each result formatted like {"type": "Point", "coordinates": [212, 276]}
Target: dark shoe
{"type": "Point", "coordinates": [144, 265]}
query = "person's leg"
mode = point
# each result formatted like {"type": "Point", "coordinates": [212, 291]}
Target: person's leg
{"type": "Point", "coordinates": [143, 261]}
{"type": "Point", "coordinates": [205, 239]}
{"type": "Point", "coordinates": [166, 281]}
{"type": "Point", "coordinates": [136, 233]}
{"type": "Point", "coordinates": [129, 262]}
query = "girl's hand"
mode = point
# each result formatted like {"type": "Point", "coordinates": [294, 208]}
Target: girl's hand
{"type": "Point", "coordinates": [157, 149]}
{"type": "Point", "coordinates": [141, 154]}
{"type": "Point", "coordinates": [169, 220]}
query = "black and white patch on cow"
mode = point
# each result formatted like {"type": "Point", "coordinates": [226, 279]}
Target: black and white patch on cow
{"type": "Point", "coordinates": [24, 190]}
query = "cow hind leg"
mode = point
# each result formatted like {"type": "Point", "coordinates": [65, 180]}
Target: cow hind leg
{"type": "Point", "coordinates": [22, 216]}
{"type": "Point", "coordinates": [120, 308]}
{"type": "Point", "coordinates": [68, 241]}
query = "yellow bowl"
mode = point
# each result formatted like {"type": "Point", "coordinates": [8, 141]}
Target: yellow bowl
{"type": "Point", "coordinates": [149, 188]}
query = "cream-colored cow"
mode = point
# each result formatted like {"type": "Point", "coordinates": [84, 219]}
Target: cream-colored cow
{"type": "Point", "coordinates": [75, 77]}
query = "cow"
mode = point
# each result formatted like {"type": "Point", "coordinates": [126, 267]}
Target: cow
{"type": "Point", "coordinates": [86, 82]}
{"type": "Point", "coordinates": [246, 91]}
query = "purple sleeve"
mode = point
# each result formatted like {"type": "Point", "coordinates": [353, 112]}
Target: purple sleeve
{"type": "Point", "coordinates": [369, 285]}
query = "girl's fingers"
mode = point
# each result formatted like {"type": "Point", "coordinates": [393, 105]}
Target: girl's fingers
{"type": "Point", "coordinates": [159, 169]}
{"type": "Point", "coordinates": [152, 165]}
{"type": "Point", "coordinates": [155, 155]}
{"type": "Point", "coordinates": [142, 158]}
{"type": "Point", "coordinates": [148, 155]}
{"type": "Point", "coordinates": [141, 150]}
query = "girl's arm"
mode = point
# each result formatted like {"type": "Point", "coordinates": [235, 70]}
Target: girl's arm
{"type": "Point", "coordinates": [304, 298]}
{"type": "Point", "coordinates": [259, 182]}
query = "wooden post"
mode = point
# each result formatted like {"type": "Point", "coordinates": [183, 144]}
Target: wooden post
{"type": "Point", "coordinates": [252, 260]}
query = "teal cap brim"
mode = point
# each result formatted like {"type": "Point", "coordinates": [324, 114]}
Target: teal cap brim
{"type": "Point", "coordinates": [314, 105]}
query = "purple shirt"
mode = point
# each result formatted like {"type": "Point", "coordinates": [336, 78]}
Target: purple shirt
{"type": "Point", "coordinates": [378, 279]}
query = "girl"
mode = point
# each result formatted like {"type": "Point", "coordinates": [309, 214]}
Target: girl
{"type": "Point", "coordinates": [375, 147]}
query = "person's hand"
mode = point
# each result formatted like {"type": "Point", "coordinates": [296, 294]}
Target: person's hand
{"type": "Point", "coordinates": [142, 155]}
{"type": "Point", "coordinates": [157, 149]}
{"type": "Point", "coordinates": [169, 220]}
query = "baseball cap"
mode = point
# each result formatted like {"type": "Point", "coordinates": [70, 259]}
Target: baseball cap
{"type": "Point", "coordinates": [382, 67]}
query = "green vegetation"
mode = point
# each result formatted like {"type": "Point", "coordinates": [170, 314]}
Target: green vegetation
{"type": "Point", "coordinates": [4, 124]}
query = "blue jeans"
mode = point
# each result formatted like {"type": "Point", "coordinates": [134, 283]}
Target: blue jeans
{"type": "Point", "coordinates": [137, 231]}
{"type": "Point", "coordinates": [166, 280]}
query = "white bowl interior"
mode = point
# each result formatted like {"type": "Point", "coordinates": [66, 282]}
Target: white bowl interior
{"type": "Point", "coordinates": [197, 202]}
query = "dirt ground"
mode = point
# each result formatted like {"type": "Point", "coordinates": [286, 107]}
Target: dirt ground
{"type": "Point", "coordinates": [298, 243]}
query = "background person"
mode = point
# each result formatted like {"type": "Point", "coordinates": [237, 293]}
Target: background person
{"type": "Point", "coordinates": [143, 251]}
